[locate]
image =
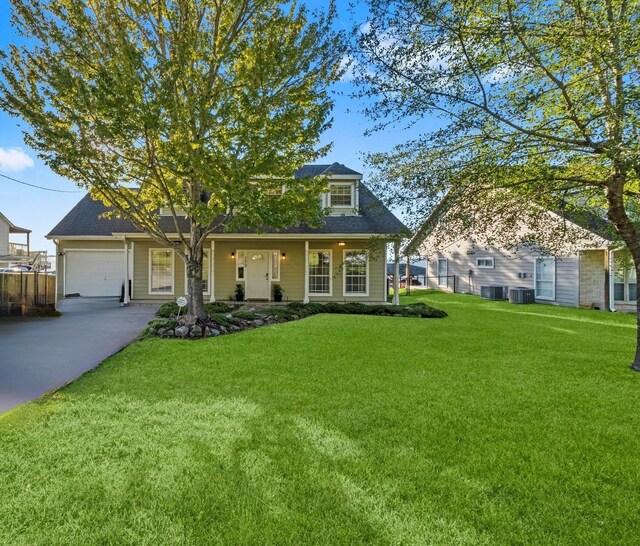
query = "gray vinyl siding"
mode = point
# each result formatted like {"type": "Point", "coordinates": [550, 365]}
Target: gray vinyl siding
{"type": "Point", "coordinates": [505, 272]}
{"type": "Point", "coordinates": [4, 237]}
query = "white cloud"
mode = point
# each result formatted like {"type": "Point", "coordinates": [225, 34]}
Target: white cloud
{"type": "Point", "coordinates": [14, 159]}
{"type": "Point", "coordinates": [500, 74]}
{"type": "Point", "coordinates": [365, 27]}
{"type": "Point", "coordinates": [347, 64]}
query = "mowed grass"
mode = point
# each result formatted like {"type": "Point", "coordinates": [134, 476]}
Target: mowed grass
{"type": "Point", "coordinates": [500, 424]}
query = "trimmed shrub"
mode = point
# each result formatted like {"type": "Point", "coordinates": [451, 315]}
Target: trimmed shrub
{"type": "Point", "coordinates": [218, 307]}
{"type": "Point", "coordinates": [224, 320]}
{"type": "Point", "coordinates": [281, 313]}
{"type": "Point", "coordinates": [244, 315]}
{"type": "Point", "coordinates": [168, 309]}
{"type": "Point", "coordinates": [156, 324]}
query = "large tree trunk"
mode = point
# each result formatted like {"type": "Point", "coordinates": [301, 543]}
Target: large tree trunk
{"type": "Point", "coordinates": [194, 256]}
{"type": "Point", "coordinates": [629, 234]}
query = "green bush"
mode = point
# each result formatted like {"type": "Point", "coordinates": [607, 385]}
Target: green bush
{"type": "Point", "coordinates": [245, 315]}
{"type": "Point", "coordinates": [281, 313]}
{"type": "Point", "coordinates": [356, 308]}
{"type": "Point", "coordinates": [156, 324]}
{"type": "Point", "coordinates": [168, 309]}
{"type": "Point", "coordinates": [224, 320]}
{"type": "Point", "coordinates": [218, 307]}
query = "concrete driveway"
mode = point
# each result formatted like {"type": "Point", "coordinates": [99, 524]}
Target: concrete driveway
{"type": "Point", "coordinates": [41, 354]}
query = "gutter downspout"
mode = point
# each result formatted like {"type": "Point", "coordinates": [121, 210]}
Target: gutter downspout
{"type": "Point", "coordinates": [306, 272]}
{"type": "Point", "coordinates": [396, 273]}
{"type": "Point", "coordinates": [125, 298]}
{"type": "Point", "coordinates": [55, 242]}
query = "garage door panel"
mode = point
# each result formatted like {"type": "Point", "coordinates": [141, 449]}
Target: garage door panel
{"type": "Point", "coordinates": [94, 273]}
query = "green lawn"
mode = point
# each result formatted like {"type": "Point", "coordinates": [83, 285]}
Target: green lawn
{"type": "Point", "coordinates": [500, 424]}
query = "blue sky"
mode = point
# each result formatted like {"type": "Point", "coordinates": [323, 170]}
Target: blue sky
{"type": "Point", "coordinates": [41, 210]}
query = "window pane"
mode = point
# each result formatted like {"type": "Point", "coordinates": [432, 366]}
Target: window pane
{"type": "Point", "coordinates": [633, 291]}
{"type": "Point", "coordinates": [161, 271]}
{"type": "Point", "coordinates": [205, 271]}
{"type": "Point", "coordinates": [355, 271]}
{"type": "Point", "coordinates": [545, 272]}
{"type": "Point", "coordinates": [618, 291]}
{"type": "Point", "coordinates": [319, 272]}
{"type": "Point", "coordinates": [275, 266]}
{"type": "Point", "coordinates": [340, 195]}
{"type": "Point", "coordinates": [442, 272]}
{"type": "Point", "coordinates": [241, 262]}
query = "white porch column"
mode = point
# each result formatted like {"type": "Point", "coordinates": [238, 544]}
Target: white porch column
{"type": "Point", "coordinates": [396, 273]}
{"type": "Point", "coordinates": [612, 297]}
{"type": "Point", "coordinates": [126, 273]}
{"type": "Point", "coordinates": [306, 272]}
{"type": "Point", "coordinates": [212, 276]}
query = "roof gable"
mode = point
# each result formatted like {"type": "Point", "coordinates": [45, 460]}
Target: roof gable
{"type": "Point", "coordinates": [595, 228]}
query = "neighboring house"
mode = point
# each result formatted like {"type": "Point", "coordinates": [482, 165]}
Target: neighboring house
{"type": "Point", "coordinates": [11, 252]}
{"type": "Point", "coordinates": [588, 273]}
{"type": "Point", "coordinates": [343, 259]}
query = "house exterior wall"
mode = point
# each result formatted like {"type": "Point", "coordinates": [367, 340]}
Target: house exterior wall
{"type": "Point", "coordinates": [4, 237]}
{"type": "Point", "coordinates": [292, 268]}
{"type": "Point", "coordinates": [593, 269]}
{"type": "Point", "coordinates": [461, 257]}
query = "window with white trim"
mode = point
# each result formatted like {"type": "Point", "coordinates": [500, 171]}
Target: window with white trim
{"type": "Point", "coordinates": [545, 277]}
{"type": "Point", "coordinates": [275, 265]}
{"type": "Point", "coordinates": [161, 271]}
{"type": "Point", "coordinates": [485, 262]}
{"type": "Point", "coordinates": [320, 272]}
{"type": "Point", "coordinates": [625, 284]}
{"type": "Point", "coordinates": [241, 265]}
{"type": "Point", "coordinates": [341, 195]}
{"type": "Point", "coordinates": [443, 280]}
{"type": "Point", "coordinates": [356, 268]}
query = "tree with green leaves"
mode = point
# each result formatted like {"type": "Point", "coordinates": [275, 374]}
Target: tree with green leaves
{"type": "Point", "coordinates": [535, 102]}
{"type": "Point", "coordinates": [203, 108]}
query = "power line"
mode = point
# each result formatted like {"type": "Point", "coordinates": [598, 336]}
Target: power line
{"type": "Point", "coordinates": [38, 187]}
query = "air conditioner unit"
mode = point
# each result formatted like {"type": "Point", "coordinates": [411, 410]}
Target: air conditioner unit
{"type": "Point", "coordinates": [494, 292]}
{"type": "Point", "coordinates": [522, 295]}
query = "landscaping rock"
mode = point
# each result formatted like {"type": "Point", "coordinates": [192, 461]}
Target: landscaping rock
{"type": "Point", "coordinates": [196, 331]}
{"type": "Point", "coordinates": [168, 333]}
{"type": "Point", "coordinates": [188, 320]}
{"type": "Point", "coordinates": [182, 331]}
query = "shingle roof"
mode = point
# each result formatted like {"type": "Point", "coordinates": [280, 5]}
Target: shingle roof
{"type": "Point", "coordinates": [315, 170]}
{"type": "Point", "coordinates": [585, 219]}
{"type": "Point", "coordinates": [85, 219]}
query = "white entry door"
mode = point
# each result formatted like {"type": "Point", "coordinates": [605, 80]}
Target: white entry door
{"type": "Point", "coordinates": [257, 283]}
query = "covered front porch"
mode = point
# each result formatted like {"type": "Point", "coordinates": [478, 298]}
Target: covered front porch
{"type": "Point", "coordinates": [307, 269]}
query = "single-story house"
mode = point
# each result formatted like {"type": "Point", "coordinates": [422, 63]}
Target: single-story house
{"type": "Point", "coordinates": [589, 272]}
{"type": "Point", "coordinates": [342, 260]}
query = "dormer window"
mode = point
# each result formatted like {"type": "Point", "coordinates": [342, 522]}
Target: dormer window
{"type": "Point", "coordinates": [341, 195]}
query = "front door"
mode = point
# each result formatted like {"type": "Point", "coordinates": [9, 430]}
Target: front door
{"type": "Point", "coordinates": [257, 275]}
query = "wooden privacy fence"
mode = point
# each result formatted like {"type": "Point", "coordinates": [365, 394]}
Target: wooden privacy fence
{"type": "Point", "coordinates": [26, 293]}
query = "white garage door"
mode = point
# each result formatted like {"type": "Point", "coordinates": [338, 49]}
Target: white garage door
{"type": "Point", "coordinates": [94, 273]}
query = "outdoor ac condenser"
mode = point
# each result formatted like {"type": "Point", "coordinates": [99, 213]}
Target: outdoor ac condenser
{"type": "Point", "coordinates": [522, 295]}
{"type": "Point", "coordinates": [493, 292]}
